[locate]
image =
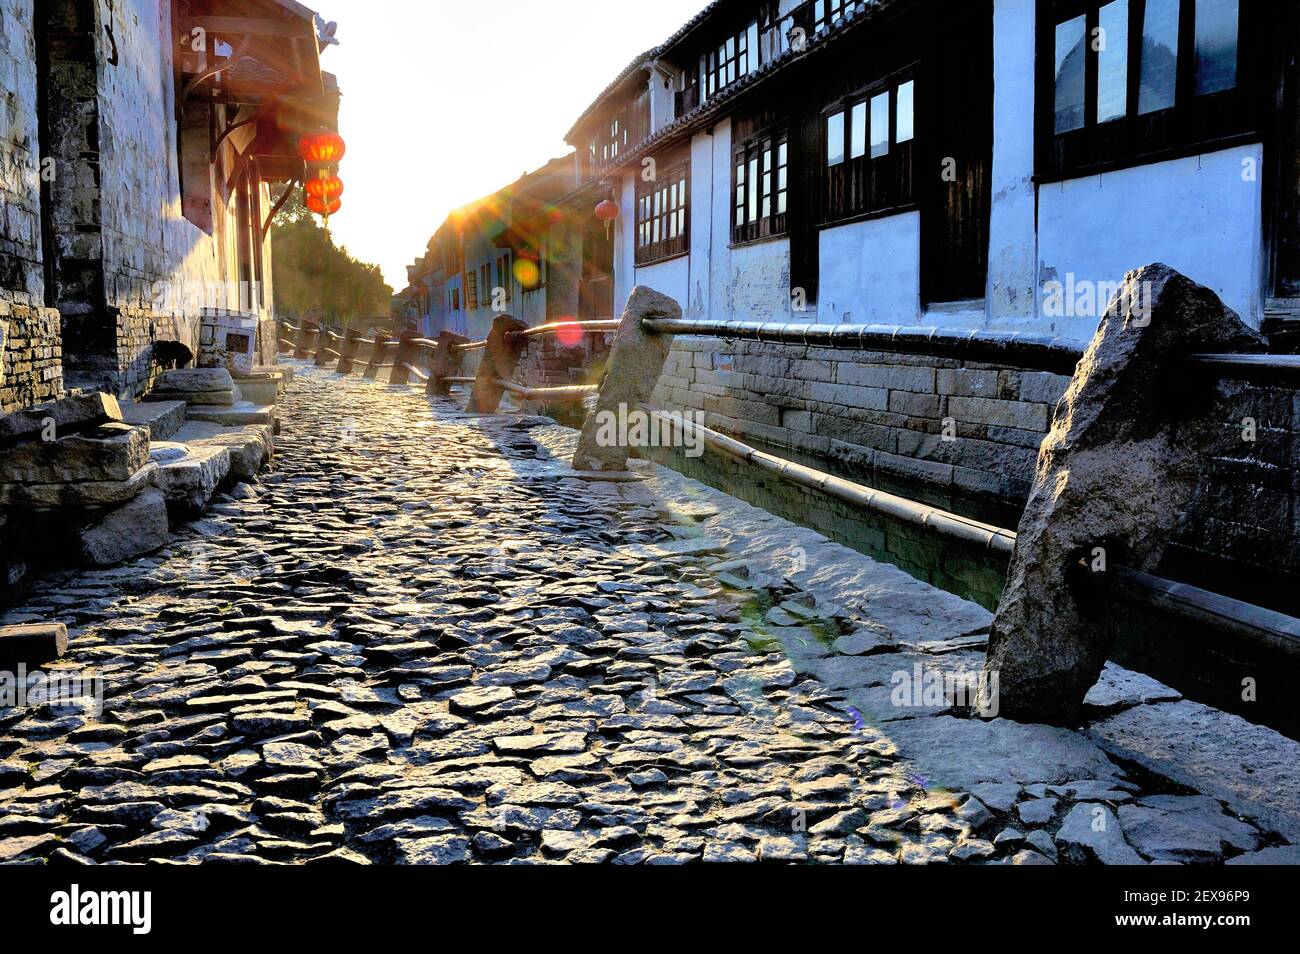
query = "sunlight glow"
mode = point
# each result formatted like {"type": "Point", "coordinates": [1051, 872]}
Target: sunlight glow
{"type": "Point", "coordinates": [445, 102]}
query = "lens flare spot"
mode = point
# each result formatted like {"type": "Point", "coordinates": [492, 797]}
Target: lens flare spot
{"type": "Point", "coordinates": [569, 333]}
{"type": "Point", "coordinates": [527, 272]}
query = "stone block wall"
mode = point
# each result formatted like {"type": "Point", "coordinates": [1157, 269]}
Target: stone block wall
{"type": "Point", "coordinates": [960, 427]}
{"type": "Point", "coordinates": [30, 358]}
{"type": "Point", "coordinates": [965, 435]}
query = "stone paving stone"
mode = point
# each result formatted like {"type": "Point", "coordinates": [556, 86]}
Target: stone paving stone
{"type": "Point", "coordinates": [421, 642]}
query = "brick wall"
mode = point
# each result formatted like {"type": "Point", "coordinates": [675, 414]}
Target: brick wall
{"type": "Point", "coordinates": [871, 412]}
{"type": "Point", "coordinates": [30, 365]}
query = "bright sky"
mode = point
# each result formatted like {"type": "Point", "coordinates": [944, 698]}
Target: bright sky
{"type": "Point", "coordinates": [445, 101]}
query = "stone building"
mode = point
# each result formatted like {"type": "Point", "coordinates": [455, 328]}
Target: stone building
{"type": "Point", "coordinates": [138, 145]}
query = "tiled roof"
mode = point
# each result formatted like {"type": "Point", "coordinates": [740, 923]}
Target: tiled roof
{"type": "Point", "coordinates": [702, 114]}
{"type": "Point", "coordinates": [640, 62]}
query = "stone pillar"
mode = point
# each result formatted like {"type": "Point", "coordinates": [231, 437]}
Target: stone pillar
{"type": "Point", "coordinates": [324, 343]}
{"type": "Point", "coordinates": [348, 355]}
{"type": "Point", "coordinates": [405, 355]}
{"type": "Point", "coordinates": [447, 362]}
{"type": "Point", "coordinates": [376, 355]}
{"type": "Point", "coordinates": [635, 363]}
{"type": "Point", "coordinates": [305, 331]}
{"type": "Point", "coordinates": [499, 360]}
{"type": "Point", "coordinates": [1116, 476]}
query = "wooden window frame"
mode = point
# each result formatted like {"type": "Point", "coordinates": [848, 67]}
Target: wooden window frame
{"type": "Point", "coordinates": [471, 288]}
{"type": "Point", "coordinates": [671, 190]}
{"type": "Point", "coordinates": [826, 12]}
{"type": "Point", "coordinates": [862, 186]}
{"type": "Point", "coordinates": [750, 156]}
{"type": "Point", "coordinates": [713, 73]}
{"type": "Point", "coordinates": [1195, 123]}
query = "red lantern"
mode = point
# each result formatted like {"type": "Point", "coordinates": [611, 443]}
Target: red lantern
{"type": "Point", "coordinates": [326, 187]}
{"type": "Point", "coordinates": [322, 148]}
{"type": "Point", "coordinates": [323, 206]}
{"type": "Point", "coordinates": [607, 212]}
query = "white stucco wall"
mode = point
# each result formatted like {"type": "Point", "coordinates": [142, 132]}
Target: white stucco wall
{"type": "Point", "coordinates": [1199, 214]}
{"type": "Point", "coordinates": [671, 277]}
{"type": "Point", "coordinates": [1012, 254]}
{"type": "Point", "coordinates": [871, 271]}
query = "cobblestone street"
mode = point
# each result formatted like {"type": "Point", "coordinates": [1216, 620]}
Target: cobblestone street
{"type": "Point", "coordinates": [420, 639]}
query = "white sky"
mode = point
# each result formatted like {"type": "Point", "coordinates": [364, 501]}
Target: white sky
{"type": "Point", "coordinates": [445, 101]}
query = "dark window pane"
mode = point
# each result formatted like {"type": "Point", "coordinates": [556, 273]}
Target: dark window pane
{"type": "Point", "coordinates": [1071, 54]}
{"type": "Point", "coordinates": [1216, 45]}
{"type": "Point", "coordinates": [1112, 61]}
{"type": "Point", "coordinates": [1159, 68]}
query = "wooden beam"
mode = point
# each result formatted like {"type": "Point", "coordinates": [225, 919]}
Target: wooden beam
{"type": "Point", "coordinates": [257, 26]}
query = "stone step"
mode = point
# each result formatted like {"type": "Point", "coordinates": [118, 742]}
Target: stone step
{"type": "Point", "coordinates": [113, 451]}
{"type": "Point", "coordinates": [251, 446]}
{"type": "Point", "coordinates": [68, 416]}
{"type": "Point", "coordinates": [137, 527]}
{"type": "Point", "coordinates": [263, 390]}
{"type": "Point", "coordinates": [225, 398]}
{"type": "Point", "coordinates": [163, 418]}
{"type": "Point", "coordinates": [188, 475]}
{"type": "Point", "coordinates": [245, 412]}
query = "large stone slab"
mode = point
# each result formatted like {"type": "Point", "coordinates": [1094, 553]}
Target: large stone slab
{"type": "Point", "coordinates": [67, 415]}
{"type": "Point", "coordinates": [1186, 829]}
{"type": "Point", "coordinates": [195, 380]}
{"type": "Point", "coordinates": [244, 412]}
{"type": "Point", "coordinates": [189, 476]}
{"type": "Point", "coordinates": [223, 398]}
{"type": "Point", "coordinates": [86, 493]}
{"type": "Point", "coordinates": [958, 753]}
{"type": "Point", "coordinates": [635, 362]}
{"type": "Point", "coordinates": [1128, 447]}
{"type": "Point", "coordinates": [1252, 769]}
{"type": "Point", "coordinates": [129, 531]}
{"type": "Point", "coordinates": [163, 418]}
{"type": "Point", "coordinates": [251, 446]}
{"type": "Point", "coordinates": [112, 451]}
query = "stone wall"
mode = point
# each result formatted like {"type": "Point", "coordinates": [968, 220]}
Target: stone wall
{"type": "Point", "coordinates": [965, 435]}
{"type": "Point", "coordinates": [30, 365]}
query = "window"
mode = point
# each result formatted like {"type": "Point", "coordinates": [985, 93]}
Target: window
{"type": "Point", "coordinates": [485, 283]}
{"type": "Point", "coordinates": [1216, 27]}
{"type": "Point", "coordinates": [471, 289]}
{"type": "Point", "coordinates": [826, 12]}
{"type": "Point", "coordinates": [773, 32]}
{"type": "Point", "coordinates": [662, 225]}
{"type": "Point", "coordinates": [1134, 79]}
{"type": "Point", "coordinates": [762, 181]}
{"type": "Point", "coordinates": [869, 150]}
{"type": "Point", "coordinates": [733, 58]}
{"type": "Point", "coordinates": [503, 275]}
{"type": "Point", "coordinates": [1159, 70]}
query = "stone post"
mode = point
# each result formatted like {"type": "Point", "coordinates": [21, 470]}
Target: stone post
{"type": "Point", "coordinates": [1116, 475]}
{"type": "Point", "coordinates": [405, 355]}
{"type": "Point", "coordinates": [305, 331]}
{"type": "Point", "coordinates": [323, 344]}
{"type": "Point", "coordinates": [635, 363]}
{"type": "Point", "coordinates": [348, 354]}
{"type": "Point", "coordinates": [499, 360]}
{"type": "Point", "coordinates": [447, 362]}
{"type": "Point", "coordinates": [376, 355]}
